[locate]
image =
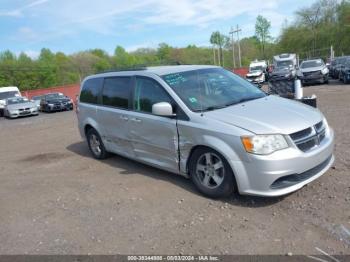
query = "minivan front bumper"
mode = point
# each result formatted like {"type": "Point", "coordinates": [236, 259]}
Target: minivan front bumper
{"type": "Point", "coordinates": [284, 171]}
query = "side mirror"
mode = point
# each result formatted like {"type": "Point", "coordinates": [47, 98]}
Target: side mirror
{"type": "Point", "coordinates": [162, 109]}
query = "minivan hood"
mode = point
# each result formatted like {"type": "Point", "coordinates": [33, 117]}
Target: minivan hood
{"type": "Point", "coordinates": [268, 115]}
{"type": "Point", "coordinates": [312, 69]}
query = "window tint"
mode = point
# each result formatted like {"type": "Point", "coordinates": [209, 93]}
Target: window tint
{"type": "Point", "coordinates": [147, 93]}
{"type": "Point", "coordinates": [90, 91]}
{"type": "Point", "coordinates": [116, 92]}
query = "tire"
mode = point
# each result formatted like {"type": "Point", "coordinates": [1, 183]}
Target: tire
{"type": "Point", "coordinates": [211, 173]}
{"type": "Point", "coordinates": [96, 146]}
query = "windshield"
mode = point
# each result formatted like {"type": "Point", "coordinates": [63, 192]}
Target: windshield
{"type": "Point", "coordinates": [256, 68]}
{"type": "Point", "coordinates": [4, 95]}
{"type": "Point", "coordinates": [16, 100]}
{"type": "Point", "coordinates": [314, 63]}
{"type": "Point", "coordinates": [55, 96]}
{"type": "Point", "coordinates": [209, 89]}
{"type": "Point", "coordinates": [284, 63]}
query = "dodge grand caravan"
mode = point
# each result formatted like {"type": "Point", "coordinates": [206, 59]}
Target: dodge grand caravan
{"type": "Point", "coordinates": [207, 124]}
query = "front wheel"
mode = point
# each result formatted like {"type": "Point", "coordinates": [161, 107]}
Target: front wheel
{"type": "Point", "coordinates": [96, 145]}
{"type": "Point", "coordinates": [211, 173]}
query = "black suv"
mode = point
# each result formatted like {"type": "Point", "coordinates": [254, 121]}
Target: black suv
{"type": "Point", "coordinates": [344, 73]}
{"type": "Point", "coordinates": [332, 67]}
{"type": "Point", "coordinates": [55, 102]}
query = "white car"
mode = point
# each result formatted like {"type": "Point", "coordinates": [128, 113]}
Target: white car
{"type": "Point", "coordinates": [257, 72]}
{"type": "Point", "coordinates": [20, 106]}
{"type": "Point", "coordinates": [7, 92]}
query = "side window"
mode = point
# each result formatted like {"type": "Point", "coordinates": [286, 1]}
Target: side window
{"type": "Point", "coordinates": [147, 93]}
{"type": "Point", "coordinates": [90, 91]}
{"type": "Point", "coordinates": [116, 92]}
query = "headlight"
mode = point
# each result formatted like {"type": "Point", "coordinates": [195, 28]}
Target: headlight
{"type": "Point", "coordinates": [51, 105]}
{"type": "Point", "coordinates": [324, 71]}
{"type": "Point", "coordinates": [264, 144]}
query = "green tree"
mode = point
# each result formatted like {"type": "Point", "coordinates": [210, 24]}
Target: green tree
{"type": "Point", "coordinates": [262, 32]}
{"type": "Point", "coordinates": [219, 40]}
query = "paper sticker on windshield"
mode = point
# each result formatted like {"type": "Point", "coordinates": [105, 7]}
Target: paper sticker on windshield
{"type": "Point", "coordinates": [192, 99]}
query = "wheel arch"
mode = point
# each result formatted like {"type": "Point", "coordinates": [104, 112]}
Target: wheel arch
{"type": "Point", "coordinates": [218, 150]}
{"type": "Point", "coordinates": [215, 144]}
{"type": "Point", "coordinates": [90, 123]}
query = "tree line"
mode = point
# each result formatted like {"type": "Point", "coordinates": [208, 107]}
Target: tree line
{"type": "Point", "coordinates": [314, 30]}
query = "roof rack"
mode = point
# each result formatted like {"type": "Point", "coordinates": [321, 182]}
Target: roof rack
{"type": "Point", "coordinates": [122, 69]}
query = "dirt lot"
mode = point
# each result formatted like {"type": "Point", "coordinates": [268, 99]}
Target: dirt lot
{"type": "Point", "coordinates": [55, 199]}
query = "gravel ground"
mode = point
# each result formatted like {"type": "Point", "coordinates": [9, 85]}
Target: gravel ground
{"type": "Point", "coordinates": [56, 199]}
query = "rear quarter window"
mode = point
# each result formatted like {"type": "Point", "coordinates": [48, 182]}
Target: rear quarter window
{"type": "Point", "coordinates": [90, 91]}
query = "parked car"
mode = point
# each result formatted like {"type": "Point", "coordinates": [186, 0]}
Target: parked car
{"type": "Point", "coordinates": [55, 102]}
{"type": "Point", "coordinates": [37, 100]}
{"type": "Point", "coordinates": [313, 71]}
{"type": "Point", "coordinates": [337, 68]}
{"type": "Point", "coordinates": [284, 67]}
{"type": "Point", "coordinates": [344, 74]}
{"type": "Point", "coordinates": [332, 67]}
{"type": "Point", "coordinates": [257, 72]}
{"type": "Point", "coordinates": [19, 106]}
{"type": "Point", "coordinates": [7, 92]}
{"type": "Point", "coordinates": [207, 124]}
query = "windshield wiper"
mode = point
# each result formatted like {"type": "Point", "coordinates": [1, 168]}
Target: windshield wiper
{"type": "Point", "coordinates": [211, 108]}
{"type": "Point", "coordinates": [242, 100]}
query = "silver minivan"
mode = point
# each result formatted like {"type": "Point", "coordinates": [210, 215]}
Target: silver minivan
{"type": "Point", "coordinates": [207, 124]}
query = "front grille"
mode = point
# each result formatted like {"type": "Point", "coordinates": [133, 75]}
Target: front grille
{"type": "Point", "coordinates": [290, 180]}
{"type": "Point", "coordinates": [283, 88]}
{"type": "Point", "coordinates": [313, 73]}
{"type": "Point", "coordinates": [309, 138]}
{"type": "Point", "coordinates": [301, 134]}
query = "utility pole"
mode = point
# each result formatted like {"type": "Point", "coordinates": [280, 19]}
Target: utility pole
{"type": "Point", "coordinates": [214, 55]}
{"type": "Point", "coordinates": [239, 45]}
{"type": "Point", "coordinates": [233, 48]}
{"type": "Point", "coordinates": [219, 51]}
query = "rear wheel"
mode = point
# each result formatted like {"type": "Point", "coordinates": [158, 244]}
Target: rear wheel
{"type": "Point", "coordinates": [96, 145]}
{"type": "Point", "coordinates": [211, 173]}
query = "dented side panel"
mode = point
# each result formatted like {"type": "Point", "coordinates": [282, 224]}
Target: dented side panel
{"type": "Point", "coordinates": [219, 138]}
{"type": "Point", "coordinates": [155, 140]}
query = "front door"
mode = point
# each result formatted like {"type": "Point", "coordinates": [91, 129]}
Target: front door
{"type": "Point", "coordinates": [154, 138]}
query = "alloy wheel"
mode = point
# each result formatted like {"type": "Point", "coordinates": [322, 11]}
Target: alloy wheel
{"type": "Point", "coordinates": [95, 145]}
{"type": "Point", "coordinates": [210, 170]}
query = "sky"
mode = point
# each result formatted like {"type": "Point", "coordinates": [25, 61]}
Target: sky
{"type": "Point", "coordinates": [75, 25]}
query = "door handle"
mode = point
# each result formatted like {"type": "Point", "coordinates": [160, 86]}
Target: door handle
{"type": "Point", "coordinates": [136, 120]}
{"type": "Point", "coordinates": [124, 118]}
